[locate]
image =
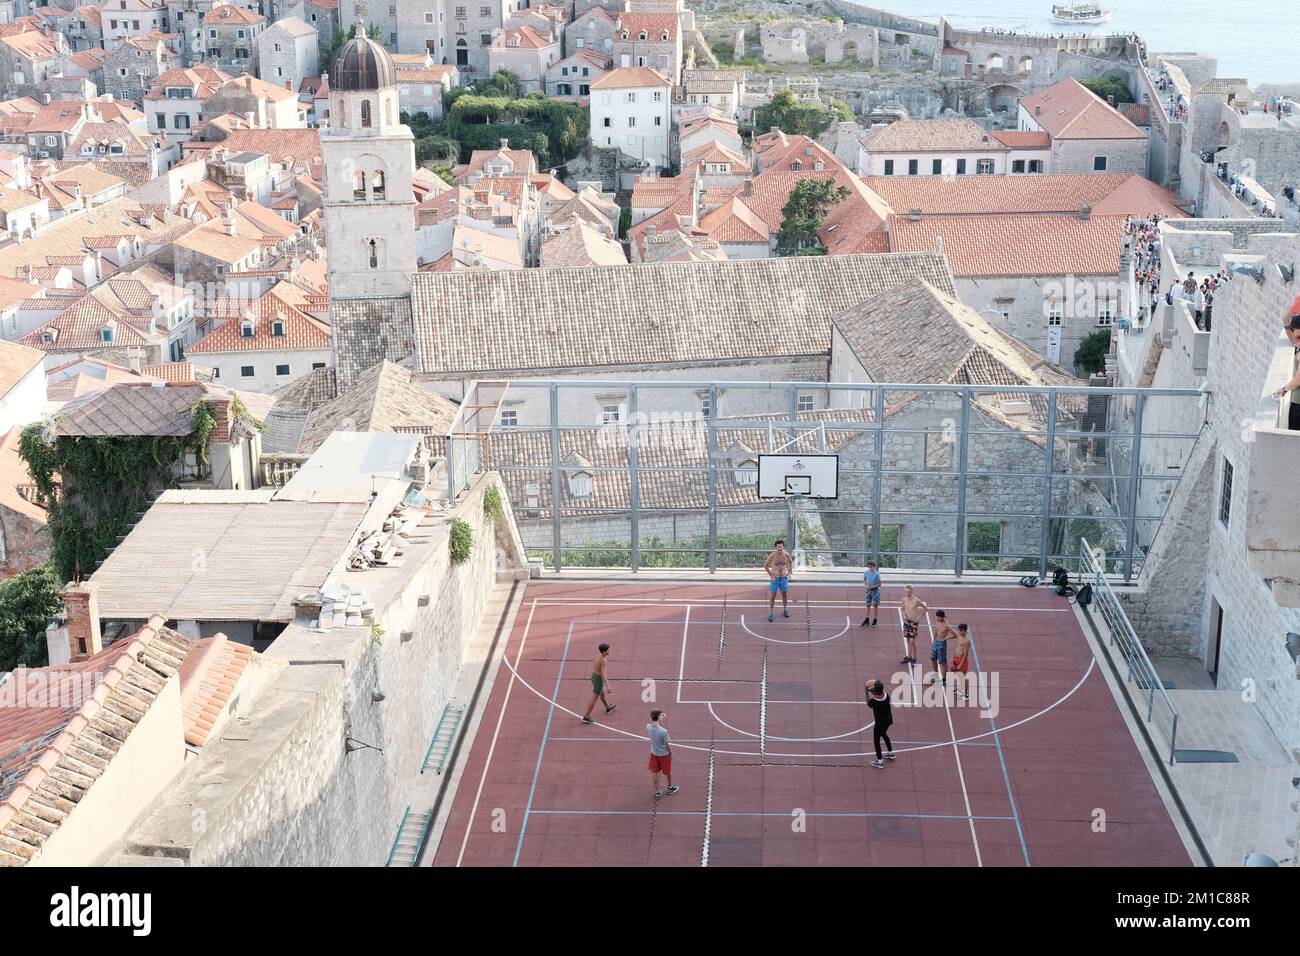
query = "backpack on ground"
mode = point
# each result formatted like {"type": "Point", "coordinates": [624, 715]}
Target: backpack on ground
{"type": "Point", "coordinates": [1084, 597]}
{"type": "Point", "coordinates": [1029, 581]}
{"type": "Point", "coordinates": [1061, 582]}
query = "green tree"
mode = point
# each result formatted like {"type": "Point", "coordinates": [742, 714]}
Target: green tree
{"type": "Point", "coordinates": [506, 84]}
{"type": "Point", "coordinates": [803, 214]}
{"type": "Point", "coordinates": [787, 114]}
{"type": "Point", "coordinates": [337, 39]}
{"type": "Point", "coordinates": [1110, 87]}
{"type": "Point", "coordinates": [27, 602]}
{"type": "Point", "coordinates": [843, 112]}
{"type": "Point", "coordinates": [1090, 356]}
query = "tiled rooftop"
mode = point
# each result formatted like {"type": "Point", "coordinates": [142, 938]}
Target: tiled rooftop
{"type": "Point", "coordinates": [684, 312]}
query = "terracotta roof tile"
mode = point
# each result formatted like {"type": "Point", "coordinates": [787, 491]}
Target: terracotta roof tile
{"type": "Point", "coordinates": [653, 23]}
{"type": "Point", "coordinates": [300, 330]}
{"type": "Point", "coordinates": [1022, 139]}
{"type": "Point", "coordinates": [989, 246]}
{"type": "Point", "coordinates": [230, 15]}
{"type": "Point", "coordinates": [1069, 110]}
{"type": "Point", "coordinates": [1105, 193]}
{"type": "Point", "coordinates": [580, 245]}
{"type": "Point", "coordinates": [209, 676]}
{"type": "Point", "coordinates": [53, 756]}
{"type": "Point", "coordinates": [629, 77]}
{"type": "Point", "coordinates": [16, 362]}
{"type": "Point", "coordinates": [930, 136]}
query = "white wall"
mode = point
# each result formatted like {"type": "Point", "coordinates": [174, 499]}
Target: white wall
{"type": "Point", "coordinates": [25, 402]}
{"type": "Point", "coordinates": [640, 128]}
{"type": "Point", "coordinates": [872, 163]}
{"type": "Point", "coordinates": [228, 367]}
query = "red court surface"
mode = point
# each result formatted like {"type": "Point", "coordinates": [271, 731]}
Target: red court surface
{"type": "Point", "coordinates": [772, 740]}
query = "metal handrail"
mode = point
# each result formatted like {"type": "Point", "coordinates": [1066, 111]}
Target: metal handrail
{"type": "Point", "coordinates": [1141, 672]}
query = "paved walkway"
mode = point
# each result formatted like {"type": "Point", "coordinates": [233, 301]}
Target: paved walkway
{"type": "Point", "coordinates": [1238, 808]}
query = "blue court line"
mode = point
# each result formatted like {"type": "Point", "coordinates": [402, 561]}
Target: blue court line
{"type": "Point", "coordinates": [537, 772]}
{"type": "Point", "coordinates": [765, 813]}
{"type": "Point", "coordinates": [1006, 777]}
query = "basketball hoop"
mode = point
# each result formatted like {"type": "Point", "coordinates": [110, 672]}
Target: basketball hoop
{"type": "Point", "coordinates": [798, 476]}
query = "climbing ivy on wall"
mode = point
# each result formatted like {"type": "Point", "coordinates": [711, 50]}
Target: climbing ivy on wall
{"type": "Point", "coordinates": [95, 488]}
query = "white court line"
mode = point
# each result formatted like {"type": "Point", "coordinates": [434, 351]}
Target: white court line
{"type": "Point", "coordinates": [868, 753]}
{"type": "Point", "coordinates": [956, 752]}
{"type": "Point", "coordinates": [487, 764]}
{"type": "Point", "coordinates": [681, 673]}
{"type": "Point", "coordinates": [762, 736]}
{"type": "Point", "coordinates": [708, 814]}
{"type": "Point", "coordinates": [773, 640]}
{"type": "Point", "coordinates": [762, 707]}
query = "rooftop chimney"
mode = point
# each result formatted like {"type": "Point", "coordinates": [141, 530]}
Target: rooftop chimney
{"type": "Point", "coordinates": [82, 603]}
{"type": "Point", "coordinates": [505, 143]}
{"type": "Point", "coordinates": [1038, 111]}
{"type": "Point", "coordinates": [914, 215]}
{"type": "Point", "coordinates": [1085, 213]}
{"type": "Point", "coordinates": [228, 222]}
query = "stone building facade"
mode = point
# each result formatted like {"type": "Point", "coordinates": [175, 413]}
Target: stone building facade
{"type": "Point", "coordinates": [129, 71]}
{"type": "Point", "coordinates": [1200, 595]}
{"type": "Point", "coordinates": [288, 52]}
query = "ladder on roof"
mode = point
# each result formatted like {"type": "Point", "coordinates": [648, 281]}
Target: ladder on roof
{"type": "Point", "coordinates": [443, 737]}
{"type": "Point", "coordinates": [410, 835]}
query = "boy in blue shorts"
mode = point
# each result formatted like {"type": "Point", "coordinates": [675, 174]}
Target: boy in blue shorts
{"type": "Point", "coordinates": [778, 566]}
{"type": "Point", "coordinates": [871, 581]}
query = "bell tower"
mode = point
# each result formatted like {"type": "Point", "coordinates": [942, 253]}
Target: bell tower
{"type": "Point", "coordinates": [369, 156]}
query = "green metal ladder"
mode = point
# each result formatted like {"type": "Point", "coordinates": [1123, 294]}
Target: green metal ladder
{"type": "Point", "coordinates": [410, 836]}
{"type": "Point", "coordinates": [443, 738]}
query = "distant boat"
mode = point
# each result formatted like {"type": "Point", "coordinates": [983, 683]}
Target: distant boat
{"type": "Point", "coordinates": [1080, 13]}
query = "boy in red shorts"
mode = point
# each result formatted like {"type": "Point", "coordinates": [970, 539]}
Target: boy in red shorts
{"type": "Point", "coordinates": [960, 664]}
{"type": "Point", "coordinates": [661, 754]}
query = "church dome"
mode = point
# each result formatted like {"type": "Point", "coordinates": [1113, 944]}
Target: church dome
{"type": "Point", "coordinates": [362, 65]}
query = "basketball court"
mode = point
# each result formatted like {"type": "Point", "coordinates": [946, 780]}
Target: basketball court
{"type": "Point", "coordinates": [772, 740]}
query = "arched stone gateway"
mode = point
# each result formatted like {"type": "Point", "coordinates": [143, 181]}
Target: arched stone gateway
{"type": "Point", "coordinates": [1004, 98]}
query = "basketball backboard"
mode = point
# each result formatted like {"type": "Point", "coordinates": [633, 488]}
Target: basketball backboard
{"type": "Point", "coordinates": [798, 476]}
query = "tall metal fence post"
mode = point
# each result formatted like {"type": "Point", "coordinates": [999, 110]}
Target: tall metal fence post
{"type": "Point", "coordinates": [633, 489]}
{"type": "Point", "coordinates": [962, 450]}
{"type": "Point", "coordinates": [711, 443]}
{"type": "Point", "coordinates": [452, 490]}
{"type": "Point", "coordinates": [556, 539]}
{"type": "Point", "coordinates": [880, 474]}
{"type": "Point", "coordinates": [1134, 483]}
{"type": "Point", "coordinates": [1048, 463]}
{"type": "Point", "coordinates": [791, 434]}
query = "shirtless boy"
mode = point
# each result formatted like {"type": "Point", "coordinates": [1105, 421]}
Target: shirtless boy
{"type": "Point", "coordinates": [599, 685]}
{"type": "Point", "coordinates": [913, 610]}
{"type": "Point", "coordinates": [960, 666]}
{"type": "Point", "coordinates": [778, 567]}
{"type": "Point", "coordinates": [943, 633]}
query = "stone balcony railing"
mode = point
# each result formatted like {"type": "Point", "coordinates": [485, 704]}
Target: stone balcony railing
{"type": "Point", "coordinates": [1272, 516]}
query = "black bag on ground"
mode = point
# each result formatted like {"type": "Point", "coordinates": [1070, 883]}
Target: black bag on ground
{"type": "Point", "coordinates": [1029, 581]}
{"type": "Point", "coordinates": [1084, 597]}
{"type": "Point", "coordinates": [1061, 582]}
